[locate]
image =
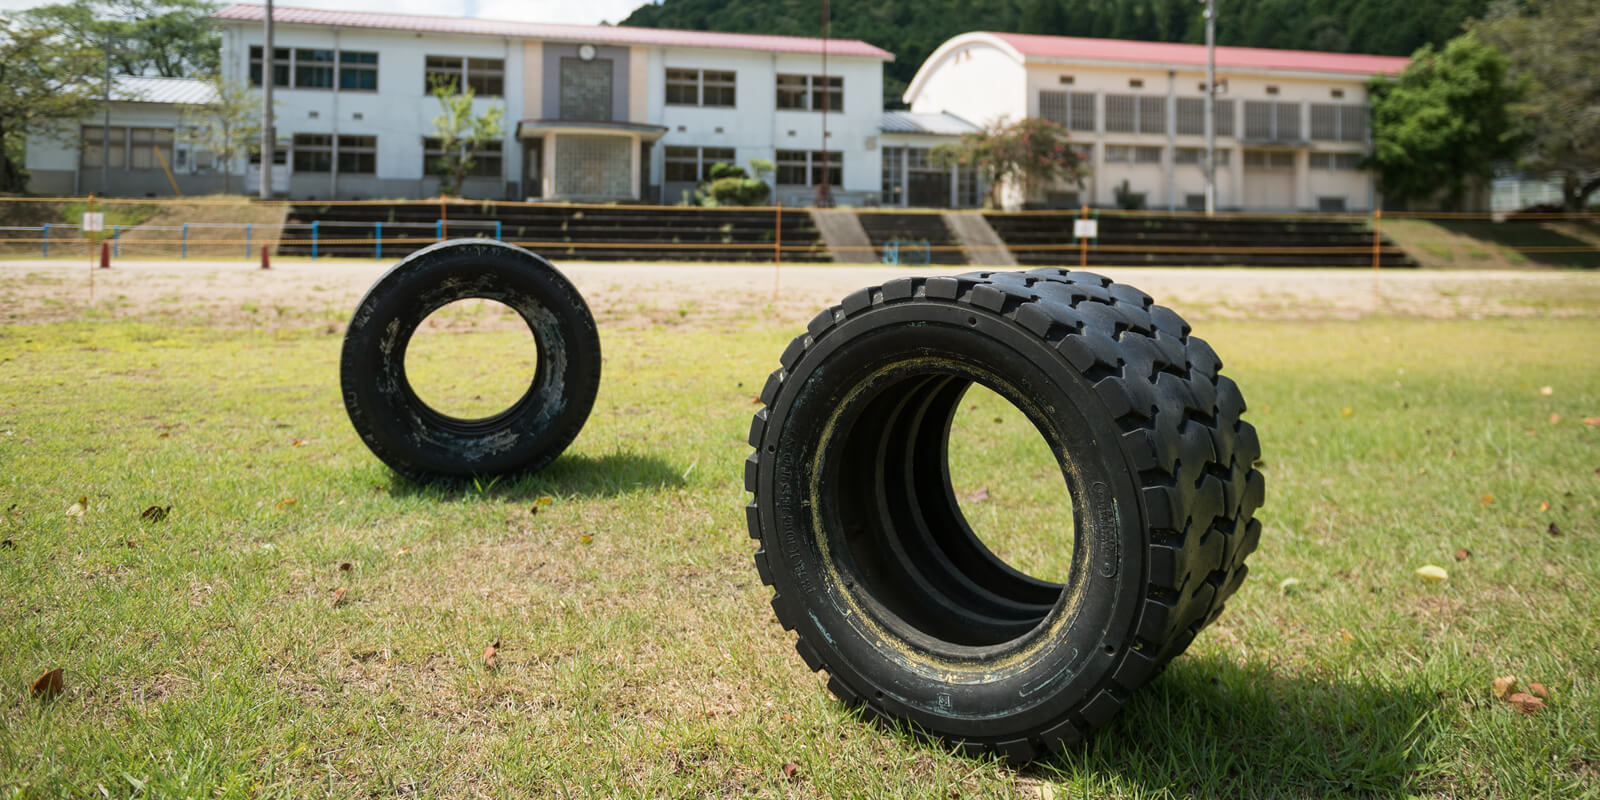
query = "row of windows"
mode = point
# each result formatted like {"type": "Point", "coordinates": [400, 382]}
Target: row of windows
{"type": "Point", "coordinates": [358, 155]}
{"type": "Point", "coordinates": [795, 167]}
{"type": "Point", "coordinates": [694, 87]}
{"type": "Point", "coordinates": [693, 164]}
{"type": "Point", "coordinates": [356, 71]}
{"type": "Point", "coordinates": [1264, 120]}
{"type": "Point", "coordinates": [1260, 159]}
{"type": "Point", "coordinates": [805, 167]}
{"type": "Point", "coordinates": [129, 148]}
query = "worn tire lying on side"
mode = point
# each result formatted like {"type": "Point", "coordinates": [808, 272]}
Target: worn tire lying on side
{"type": "Point", "coordinates": [880, 576]}
{"type": "Point", "coordinates": [428, 446]}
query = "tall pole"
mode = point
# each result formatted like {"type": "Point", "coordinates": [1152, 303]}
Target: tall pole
{"type": "Point", "coordinates": [824, 189]}
{"type": "Point", "coordinates": [1211, 107]}
{"type": "Point", "coordinates": [105, 131]}
{"type": "Point", "coordinates": [268, 138]}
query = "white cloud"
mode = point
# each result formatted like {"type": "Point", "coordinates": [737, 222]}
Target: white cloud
{"type": "Point", "coordinates": [587, 12]}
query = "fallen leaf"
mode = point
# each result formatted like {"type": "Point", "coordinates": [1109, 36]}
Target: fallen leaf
{"type": "Point", "coordinates": [1555, 419]}
{"type": "Point", "coordinates": [130, 544]}
{"type": "Point", "coordinates": [345, 567]}
{"type": "Point", "coordinates": [298, 443]}
{"type": "Point", "coordinates": [1451, 454]}
{"type": "Point", "coordinates": [791, 771]}
{"type": "Point", "coordinates": [77, 509]}
{"type": "Point", "coordinates": [1432, 574]}
{"type": "Point", "coordinates": [1487, 499]}
{"type": "Point", "coordinates": [1526, 703]}
{"type": "Point", "coordinates": [1462, 554]}
{"type": "Point", "coordinates": [1592, 421]}
{"type": "Point", "coordinates": [286, 503]}
{"type": "Point", "coordinates": [49, 684]}
{"type": "Point", "coordinates": [979, 495]}
{"type": "Point", "coordinates": [1544, 506]}
{"type": "Point", "coordinates": [1348, 411]}
{"type": "Point", "coordinates": [156, 513]}
{"type": "Point", "coordinates": [338, 595]}
{"type": "Point", "coordinates": [1345, 634]}
{"type": "Point", "coordinates": [1503, 685]}
{"type": "Point", "coordinates": [1546, 391]}
{"type": "Point", "coordinates": [543, 500]}
{"type": "Point", "coordinates": [1538, 690]}
{"type": "Point", "coordinates": [163, 435]}
{"type": "Point", "coordinates": [1553, 530]}
{"type": "Point", "coordinates": [489, 654]}
{"type": "Point", "coordinates": [586, 539]}
{"type": "Point", "coordinates": [402, 551]}
{"type": "Point", "coordinates": [1288, 583]}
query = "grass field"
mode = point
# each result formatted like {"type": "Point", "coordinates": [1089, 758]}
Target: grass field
{"type": "Point", "coordinates": [303, 622]}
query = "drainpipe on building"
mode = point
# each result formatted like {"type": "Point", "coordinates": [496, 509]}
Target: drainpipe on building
{"type": "Point", "coordinates": [333, 169]}
{"type": "Point", "coordinates": [1172, 140]}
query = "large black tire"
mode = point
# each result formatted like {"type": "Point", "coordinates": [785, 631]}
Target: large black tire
{"type": "Point", "coordinates": [885, 584]}
{"type": "Point", "coordinates": [430, 447]}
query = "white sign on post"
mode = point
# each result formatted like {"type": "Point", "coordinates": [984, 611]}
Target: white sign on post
{"type": "Point", "coordinates": [1085, 228]}
{"type": "Point", "coordinates": [94, 221]}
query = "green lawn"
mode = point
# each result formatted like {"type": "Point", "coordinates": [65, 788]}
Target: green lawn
{"type": "Point", "coordinates": [205, 654]}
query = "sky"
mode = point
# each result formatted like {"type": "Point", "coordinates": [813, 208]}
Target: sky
{"type": "Point", "coordinates": [580, 12]}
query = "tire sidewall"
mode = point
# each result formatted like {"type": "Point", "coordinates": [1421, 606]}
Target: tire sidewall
{"type": "Point", "coordinates": [1021, 687]}
{"type": "Point", "coordinates": [423, 444]}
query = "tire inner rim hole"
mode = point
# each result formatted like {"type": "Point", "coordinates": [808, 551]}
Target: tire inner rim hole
{"type": "Point", "coordinates": [472, 359]}
{"type": "Point", "coordinates": [957, 520]}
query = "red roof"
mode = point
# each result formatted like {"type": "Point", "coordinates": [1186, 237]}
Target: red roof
{"type": "Point", "coordinates": [600, 34]}
{"type": "Point", "coordinates": [1076, 48]}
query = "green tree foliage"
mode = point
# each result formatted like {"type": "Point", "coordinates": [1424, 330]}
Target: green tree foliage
{"type": "Point", "coordinates": [730, 185]}
{"type": "Point", "coordinates": [47, 84]}
{"type": "Point", "coordinates": [229, 126]}
{"type": "Point", "coordinates": [1554, 50]}
{"type": "Point", "coordinates": [1030, 152]}
{"type": "Point", "coordinates": [912, 29]}
{"type": "Point", "coordinates": [461, 132]}
{"type": "Point", "coordinates": [170, 38]}
{"type": "Point", "coordinates": [1441, 122]}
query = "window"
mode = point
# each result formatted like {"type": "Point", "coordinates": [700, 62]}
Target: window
{"type": "Point", "coordinates": [280, 66]}
{"type": "Point", "coordinates": [693, 87]}
{"type": "Point", "coordinates": [1135, 83]}
{"type": "Point", "coordinates": [358, 155]}
{"type": "Point", "coordinates": [1065, 80]}
{"type": "Point", "coordinates": [1344, 162]}
{"type": "Point", "coordinates": [1197, 156]}
{"type": "Point", "coordinates": [1073, 110]}
{"type": "Point", "coordinates": [1341, 122]}
{"type": "Point", "coordinates": [1146, 155]}
{"type": "Point", "coordinates": [131, 148]}
{"type": "Point", "coordinates": [94, 148]}
{"type": "Point", "coordinates": [313, 69]}
{"type": "Point", "coordinates": [1119, 154]}
{"type": "Point", "coordinates": [1152, 114]}
{"type": "Point", "coordinates": [1194, 202]}
{"type": "Point", "coordinates": [1331, 204]}
{"type": "Point", "coordinates": [1271, 122]}
{"type": "Point", "coordinates": [486, 77]}
{"type": "Point", "coordinates": [693, 164]}
{"type": "Point", "coordinates": [304, 68]}
{"type": "Point", "coordinates": [804, 168]}
{"type": "Point", "coordinates": [810, 92]}
{"type": "Point", "coordinates": [313, 152]}
{"type": "Point", "coordinates": [893, 177]}
{"type": "Point", "coordinates": [1192, 116]}
{"type": "Point", "coordinates": [1269, 159]}
{"type": "Point", "coordinates": [145, 144]}
{"type": "Point", "coordinates": [358, 72]}
{"type": "Point", "coordinates": [486, 162]}
{"type": "Point", "coordinates": [1130, 113]}
{"type": "Point", "coordinates": [1272, 90]}
{"type": "Point", "coordinates": [1337, 94]}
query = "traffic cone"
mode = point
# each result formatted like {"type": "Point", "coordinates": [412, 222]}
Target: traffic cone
{"type": "Point", "coordinates": [105, 255]}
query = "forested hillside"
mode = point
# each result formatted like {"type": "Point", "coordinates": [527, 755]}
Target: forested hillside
{"type": "Point", "coordinates": [911, 29]}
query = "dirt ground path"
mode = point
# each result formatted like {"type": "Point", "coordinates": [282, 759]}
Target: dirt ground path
{"type": "Point", "coordinates": [238, 293]}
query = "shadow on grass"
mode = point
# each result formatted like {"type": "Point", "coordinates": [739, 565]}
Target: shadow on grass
{"type": "Point", "coordinates": [1519, 234]}
{"type": "Point", "coordinates": [569, 475]}
{"type": "Point", "coordinates": [1209, 728]}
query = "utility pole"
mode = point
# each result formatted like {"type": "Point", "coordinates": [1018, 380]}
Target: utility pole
{"type": "Point", "coordinates": [105, 128]}
{"type": "Point", "coordinates": [1211, 107]}
{"type": "Point", "coordinates": [268, 137]}
{"type": "Point", "coordinates": [824, 189]}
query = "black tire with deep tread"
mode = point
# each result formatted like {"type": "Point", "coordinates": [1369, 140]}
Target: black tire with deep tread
{"type": "Point", "coordinates": [864, 547]}
{"type": "Point", "coordinates": [428, 446]}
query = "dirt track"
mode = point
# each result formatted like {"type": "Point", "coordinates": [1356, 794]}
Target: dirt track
{"type": "Point", "coordinates": [234, 292]}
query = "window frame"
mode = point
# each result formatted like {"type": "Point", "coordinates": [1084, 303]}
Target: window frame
{"type": "Point", "coordinates": [808, 88]}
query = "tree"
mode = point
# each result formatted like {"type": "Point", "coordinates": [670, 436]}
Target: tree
{"type": "Point", "coordinates": [170, 38]}
{"type": "Point", "coordinates": [1442, 122]}
{"type": "Point", "coordinates": [46, 88]}
{"type": "Point", "coordinates": [730, 185]}
{"type": "Point", "coordinates": [229, 126]}
{"type": "Point", "coordinates": [1555, 57]}
{"type": "Point", "coordinates": [461, 132]}
{"type": "Point", "coordinates": [1030, 153]}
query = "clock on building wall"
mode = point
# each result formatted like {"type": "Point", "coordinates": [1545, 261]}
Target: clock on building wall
{"type": "Point", "coordinates": [586, 52]}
